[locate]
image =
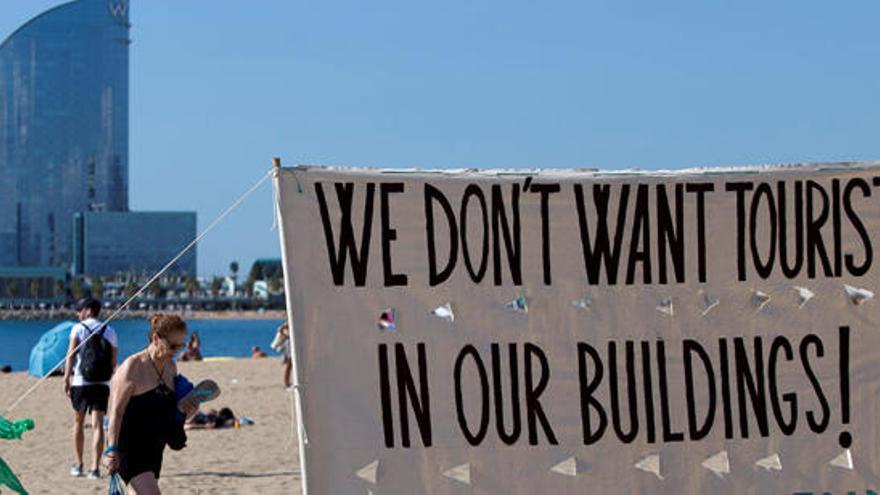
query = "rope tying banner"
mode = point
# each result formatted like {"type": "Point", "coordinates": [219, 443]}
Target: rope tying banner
{"type": "Point", "coordinates": [144, 287]}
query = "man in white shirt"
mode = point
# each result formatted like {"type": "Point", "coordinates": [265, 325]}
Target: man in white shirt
{"type": "Point", "coordinates": [87, 395]}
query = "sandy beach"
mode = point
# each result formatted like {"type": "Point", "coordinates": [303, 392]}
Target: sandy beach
{"type": "Point", "coordinates": [262, 458]}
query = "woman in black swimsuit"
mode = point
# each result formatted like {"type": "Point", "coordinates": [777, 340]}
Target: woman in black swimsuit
{"type": "Point", "coordinates": [142, 408]}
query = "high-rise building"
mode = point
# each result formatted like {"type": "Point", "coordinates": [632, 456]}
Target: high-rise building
{"type": "Point", "coordinates": [63, 127]}
{"type": "Point", "coordinates": [64, 151]}
{"type": "Point", "coordinates": [139, 243]}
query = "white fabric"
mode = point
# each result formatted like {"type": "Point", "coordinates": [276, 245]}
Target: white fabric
{"type": "Point", "coordinates": [79, 332]}
{"type": "Point", "coordinates": [281, 344]}
{"type": "Point", "coordinates": [337, 342]}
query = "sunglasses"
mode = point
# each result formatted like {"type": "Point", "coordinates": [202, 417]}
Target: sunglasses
{"type": "Point", "coordinates": [173, 346]}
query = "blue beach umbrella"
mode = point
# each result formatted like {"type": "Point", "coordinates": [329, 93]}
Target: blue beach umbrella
{"type": "Point", "coordinates": [51, 348]}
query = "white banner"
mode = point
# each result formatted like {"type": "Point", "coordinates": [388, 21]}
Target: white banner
{"type": "Point", "coordinates": [707, 331]}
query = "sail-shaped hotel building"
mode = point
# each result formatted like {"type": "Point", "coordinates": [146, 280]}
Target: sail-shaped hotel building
{"type": "Point", "coordinates": [64, 90]}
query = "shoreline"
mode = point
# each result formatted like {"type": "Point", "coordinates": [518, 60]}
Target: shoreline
{"type": "Point", "coordinates": [140, 314]}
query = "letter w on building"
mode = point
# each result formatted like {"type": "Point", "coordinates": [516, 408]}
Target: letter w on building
{"type": "Point", "coordinates": [118, 9]}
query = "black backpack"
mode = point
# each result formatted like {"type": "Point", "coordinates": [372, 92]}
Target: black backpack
{"type": "Point", "coordinates": [96, 356]}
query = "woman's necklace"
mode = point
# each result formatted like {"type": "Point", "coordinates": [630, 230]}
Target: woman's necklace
{"type": "Point", "coordinates": [162, 389]}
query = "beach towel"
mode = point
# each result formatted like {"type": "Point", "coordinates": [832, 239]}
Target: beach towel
{"type": "Point", "coordinates": [205, 391]}
{"type": "Point", "coordinates": [182, 386]}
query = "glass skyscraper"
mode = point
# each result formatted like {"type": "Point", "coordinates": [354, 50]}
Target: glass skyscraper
{"type": "Point", "coordinates": [63, 127]}
{"type": "Point", "coordinates": [139, 243]}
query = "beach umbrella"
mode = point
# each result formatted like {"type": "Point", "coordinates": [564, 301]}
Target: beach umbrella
{"type": "Point", "coordinates": [51, 349]}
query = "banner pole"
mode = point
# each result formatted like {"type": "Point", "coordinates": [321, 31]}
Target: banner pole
{"type": "Point", "coordinates": [294, 348]}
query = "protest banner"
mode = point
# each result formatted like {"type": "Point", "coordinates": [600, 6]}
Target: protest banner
{"type": "Point", "coordinates": [541, 331]}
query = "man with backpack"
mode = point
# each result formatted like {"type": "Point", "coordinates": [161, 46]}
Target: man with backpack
{"type": "Point", "coordinates": [87, 375]}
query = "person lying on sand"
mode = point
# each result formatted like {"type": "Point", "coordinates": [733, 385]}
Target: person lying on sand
{"type": "Point", "coordinates": [212, 418]}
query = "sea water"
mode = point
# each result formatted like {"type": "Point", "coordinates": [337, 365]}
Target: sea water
{"type": "Point", "coordinates": [219, 337]}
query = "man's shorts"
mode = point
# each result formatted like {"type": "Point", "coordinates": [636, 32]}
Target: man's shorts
{"type": "Point", "coordinates": [89, 398]}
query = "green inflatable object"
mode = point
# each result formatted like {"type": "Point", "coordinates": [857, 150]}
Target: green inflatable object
{"type": "Point", "coordinates": [8, 478]}
{"type": "Point", "coordinates": [10, 430]}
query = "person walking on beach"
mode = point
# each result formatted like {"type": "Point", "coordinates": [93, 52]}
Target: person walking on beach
{"type": "Point", "coordinates": [281, 344]}
{"type": "Point", "coordinates": [87, 373]}
{"type": "Point", "coordinates": [143, 406]}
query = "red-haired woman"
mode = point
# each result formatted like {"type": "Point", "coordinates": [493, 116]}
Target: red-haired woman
{"type": "Point", "coordinates": [143, 406]}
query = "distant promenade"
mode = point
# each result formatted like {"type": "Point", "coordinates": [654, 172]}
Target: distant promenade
{"type": "Point", "coordinates": [135, 314]}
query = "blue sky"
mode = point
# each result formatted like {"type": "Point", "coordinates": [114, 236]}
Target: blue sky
{"type": "Point", "coordinates": [219, 87]}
